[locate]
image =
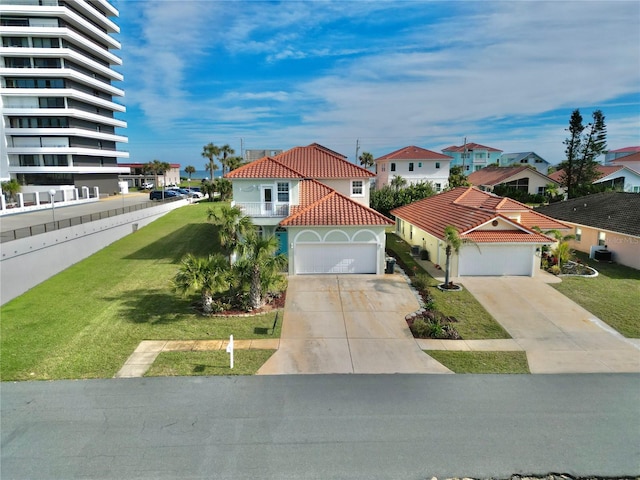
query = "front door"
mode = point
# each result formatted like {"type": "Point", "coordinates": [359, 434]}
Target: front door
{"type": "Point", "coordinates": [281, 235]}
{"type": "Point", "coordinates": [267, 200]}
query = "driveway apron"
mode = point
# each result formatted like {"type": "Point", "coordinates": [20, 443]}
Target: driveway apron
{"type": "Point", "coordinates": [558, 335]}
{"type": "Point", "coordinates": [348, 324]}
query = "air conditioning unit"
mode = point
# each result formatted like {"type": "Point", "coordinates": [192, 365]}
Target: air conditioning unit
{"type": "Point", "coordinates": [415, 250]}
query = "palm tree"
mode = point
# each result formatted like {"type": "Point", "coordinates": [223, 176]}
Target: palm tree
{"type": "Point", "coordinates": [562, 252]}
{"type": "Point", "coordinates": [158, 168]}
{"type": "Point", "coordinates": [223, 187]}
{"type": "Point", "coordinates": [260, 267]}
{"type": "Point", "coordinates": [454, 243]}
{"type": "Point", "coordinates": [366, 160]}
{"type": "Point", "coordinates": [211, 151]}
{"type": "Point", "coordinates": [207, 275]}
{"type": "Point", "coordinates": [208, 188]}
{"type": "Point", "coordinates": [189, 170]}
{"type": "Point", "coordinates": [234, 162]}
{"type": "Point", "coordinates": [225, 151]}
{"type": "Point", "coordinates": [232, 226]}
{"type": "Point", "coordinates": [397, 182]}
{"type": "Point", "coordinates": [11, 188]}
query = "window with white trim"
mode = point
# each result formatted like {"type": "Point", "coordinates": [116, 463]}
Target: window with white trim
{"type": "Point", "coordinates": [602, 238]}
{"type": "Point", "coordinates": [578, 234]}
{"type": "Point", "coordinates": [283, 192]}
{"type": "Point", "coordinates": [357, 188]}
{"type": "Point", "coordinates": [438, 187]}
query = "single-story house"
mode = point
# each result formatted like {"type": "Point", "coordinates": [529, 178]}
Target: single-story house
{"type": "Point", "coordinates": [500, 231]}
{"type": "Point", "coordinates": [607, 220]}
{"type": "Point", "coordinates": [316, 203]}
{"type": "Point", "coordinates": [521, 178]}
{"type": "Point", "coordinates": [618, 177]}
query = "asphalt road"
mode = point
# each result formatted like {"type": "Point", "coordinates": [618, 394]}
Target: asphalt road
{"type": "Point", "coordinates": [322, 427]}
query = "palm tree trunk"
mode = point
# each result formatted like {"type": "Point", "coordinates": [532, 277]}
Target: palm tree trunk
{"type": "Point", "coordinates": [446, 268]}
{"type": "Point", "coordinates": [255, 295]}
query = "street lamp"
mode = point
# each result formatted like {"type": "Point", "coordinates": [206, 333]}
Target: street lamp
{"type": "Point", "coordinates": [52, 194]}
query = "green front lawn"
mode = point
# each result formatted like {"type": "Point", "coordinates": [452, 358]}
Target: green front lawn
{"type": "Point", "coordinates": [86, 321]}
{"type": "Point", "coordinates": [245, 362]}
{"type": "Point", "coordinates": [475, 323]}
{"type": "Point", "coordinates": [612, 296]}
{"type": "Point", "coordinates": [482, 362]}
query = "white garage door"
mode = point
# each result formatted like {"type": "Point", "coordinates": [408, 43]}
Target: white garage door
{"type": "Point", "coordinates": [496, 260]}
{"type": "Point", "coordinates": [335, 258]}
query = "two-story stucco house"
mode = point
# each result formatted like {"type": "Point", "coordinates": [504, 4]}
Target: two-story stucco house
{"type": "Point", "coordinates": [415, 165]}
{"type": "Point", "coordinates": [472, 156]}
{"type": "Point", "coordinates": [317, 203]}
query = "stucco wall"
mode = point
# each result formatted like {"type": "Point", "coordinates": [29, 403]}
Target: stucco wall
{"type": "Point", "coordinates": [344, 187]}
{"type": "Point", "coordinates": [29, 261]}
{"type": "Point", "coordinates": [625, 248]}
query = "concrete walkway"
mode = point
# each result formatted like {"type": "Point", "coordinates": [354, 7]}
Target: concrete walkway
{"type": "Point", "coordinates": [558, 335]}
{"type": "Point", "coordinates": [348, 324]}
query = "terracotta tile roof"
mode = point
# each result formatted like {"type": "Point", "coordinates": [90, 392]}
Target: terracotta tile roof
{"type": "Point", "coordinates": [507, 236]}
{"type": "Point", "coordinates": [625, 149]}
{"type": "Point", "coordinates": [467, 208]}
{"type": "Point", "coordinates": [265, 167]}
{"type": "Point", "coordinates": [469, 147]}
{"type": "Point", "coordinates": [414, 153]}
{"type": "Point", "coordinates": [603, 170]}
{"type": "Point", "coordinates": [634, 157]}
{"type": "Point", "coordinates": [496, 175]}
{"type": "Point", "coordinates": [613, 211]}
{"type": "Point", "coordinates": [316, 161]}
{"type": "Point", "coordinates": [323, 206]}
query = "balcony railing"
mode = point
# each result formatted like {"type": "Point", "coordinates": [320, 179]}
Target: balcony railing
{"type": "Point", "coordinates": [264, 209]}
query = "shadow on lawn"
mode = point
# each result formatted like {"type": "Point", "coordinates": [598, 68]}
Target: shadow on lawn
{"type": "Point", "coordinates": [154, 308]}
{"type": "Point", "coordinates": [200, 239]}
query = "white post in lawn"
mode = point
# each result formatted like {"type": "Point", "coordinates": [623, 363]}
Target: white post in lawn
{"type": "Point", "coordinates": [230, 350]}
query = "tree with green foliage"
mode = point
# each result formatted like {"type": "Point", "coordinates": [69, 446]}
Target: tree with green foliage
{"type": "Point", "coordinates": [584, 144]}
{"type": "Point", "coordinates": [387, 198]}
{"type": "Point", "coordinates": [226, 151]}
{"type": "Point", "coordinates": [158, 168]}
{"type": "Point", "coordinates": [397, 182]}
{"type": "Point", "coordinates": [453, 243]}
{"type": "Point", "coordinates": [189, 170]}
{"type": "Point", "coordinates": [366, 160]}
{"type": "Point", "coordinates": [234, 162]}
{"type": "Point", "coordinates": [207, 275]}
{"type": "Point", "coordinates": [208, 188]}
{"type": "Point", "coordinates": [457, 177]}
{"type": "Point", "coordinates": [223, 187]}
{"type": "Point", "coordinates": [232, 224]}
{"type": "Point", "coordinates": [211, 152]}
{"type": "Point", "coordinates": [259, 268]}
{"type": "Point", "coordinates": [11, 189]}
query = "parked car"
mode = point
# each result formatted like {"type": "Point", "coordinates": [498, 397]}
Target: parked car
{"type": "Point", "coordinates": [146, 186]}
{"type": "Point", "coordinates": [186, 192]}
{"type": "Point", "coordinates": [194, 193]}
{"type": "Point", "coordinates": [159, 194]}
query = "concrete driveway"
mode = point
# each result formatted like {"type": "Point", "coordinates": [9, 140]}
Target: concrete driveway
{"type": "Point", "coordinates": [348, 324]}
{"type": "Point", "coordinates": [558, 335]}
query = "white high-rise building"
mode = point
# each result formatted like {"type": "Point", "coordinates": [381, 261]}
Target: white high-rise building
{"type": "Point", "coordinates": [58, 101]}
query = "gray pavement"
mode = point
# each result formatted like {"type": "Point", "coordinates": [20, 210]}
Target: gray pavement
{"type": "Point", "coordinates": [348, 324]}
{"type": "Point", "coordinates": [322, 427]}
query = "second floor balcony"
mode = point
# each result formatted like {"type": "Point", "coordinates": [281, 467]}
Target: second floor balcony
{"type": "Point", "coordinates": [264, 209]}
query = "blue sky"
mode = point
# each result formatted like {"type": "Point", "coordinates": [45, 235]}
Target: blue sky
{"type": "Point", "coordinates": [386, 73]}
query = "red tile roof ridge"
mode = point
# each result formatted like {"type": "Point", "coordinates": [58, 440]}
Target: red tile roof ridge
{"type": "Point", "coordinates": [431, 154]}
{"type": "Point", "coordinates": [234, 173]}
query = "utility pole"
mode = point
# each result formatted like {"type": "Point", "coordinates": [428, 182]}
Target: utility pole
{"type": "Point", "coordinates": [464, 154]}
{"type": "Point", "coordinates": [242, 149]}
{"type": "Point", "coordinates": [357, 149]}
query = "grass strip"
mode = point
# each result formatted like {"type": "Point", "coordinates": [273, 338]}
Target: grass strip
{"type": "Point", "coordinates": [481, 362]}
{"type": "Point", "coordinates": [245, 362]}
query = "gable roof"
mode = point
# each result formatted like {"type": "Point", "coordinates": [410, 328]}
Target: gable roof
{"type": "Point", "coordinates": [613, 211]}
{"type": "Point", "coordinates": [634, 157]}
{"type": "Point", "coordinates": [414, 153]}
{"type": "Point", "coordinates": [468, 147]}
{"type": "Point", "coordinates": [312, 161]}
{"type": "Point", "coordinates": [467, 208]}
{"type": "Point", "coordinates": [625, 149]}
{"type": "Point", "coordinates": [323, 206]}
{"type": "Point", "coordinates": [496, 175]}
{"type": "Point", "coordinates": [516, 157]}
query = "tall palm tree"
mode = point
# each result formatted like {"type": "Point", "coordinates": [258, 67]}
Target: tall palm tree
{"type": "Point", "coordinates": [232, 226]}
{"type": "Point", "coordinates": [397, 182]}
{"type": "Point", "coordinates": [158, 168]}
{"type": "Point", "coordinates": [454, 243]}
{"type": "Point", "coordinates": [189, 170]}
{"type": "Point", "coordinates": [207, 275]}
{"type": "Point", "coordinates": [366, 160]}
{"type": "Point", "coordinates": [225, 151]}
{"type": "Point", "coordinates": [211, 152]}
{"type": "Point", "coordinates": [260, 267]}
{"type": "Point", "coordinates": [234, 162]}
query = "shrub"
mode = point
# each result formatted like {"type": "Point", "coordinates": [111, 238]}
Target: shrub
{"type": "Point", "coordinates": [420, 282]}
{"type": "Point", "coordinates": [555, 269]}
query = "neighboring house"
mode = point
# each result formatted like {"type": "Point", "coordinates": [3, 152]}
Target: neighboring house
{"type": "Point", "coordinates": [608, 220]}
{"type": "Point", "coordinates": [254, 154]}
{"type": "Point", "coordinates": [619, 153]}
{"type": "Point", "coordinates": [501, 229]}
{"type": "Point", "coordinates": [415, 165]}
{"type": "Point", "coordinates": [630, 161]}
{"type": "Point", "coordinates": [521, 178]}
{"type": "Point", "coordinates": [138, 176]}
{"type": "Point", "coordinates": [525, 158]}
{"type": "Point", "coordinates": [317, 203]}
{"type": "Point", "coordinates": [618, 177]}
{"type": "Point", "coordinates": [472, 156]}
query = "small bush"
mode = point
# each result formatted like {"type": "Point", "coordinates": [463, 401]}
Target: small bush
{"type": "Point", "coordinates": [555, 269]}
{"type": "Point", "coordinates": [433, 325]}
{"type": "Point", "coordinates": [420, 282]}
